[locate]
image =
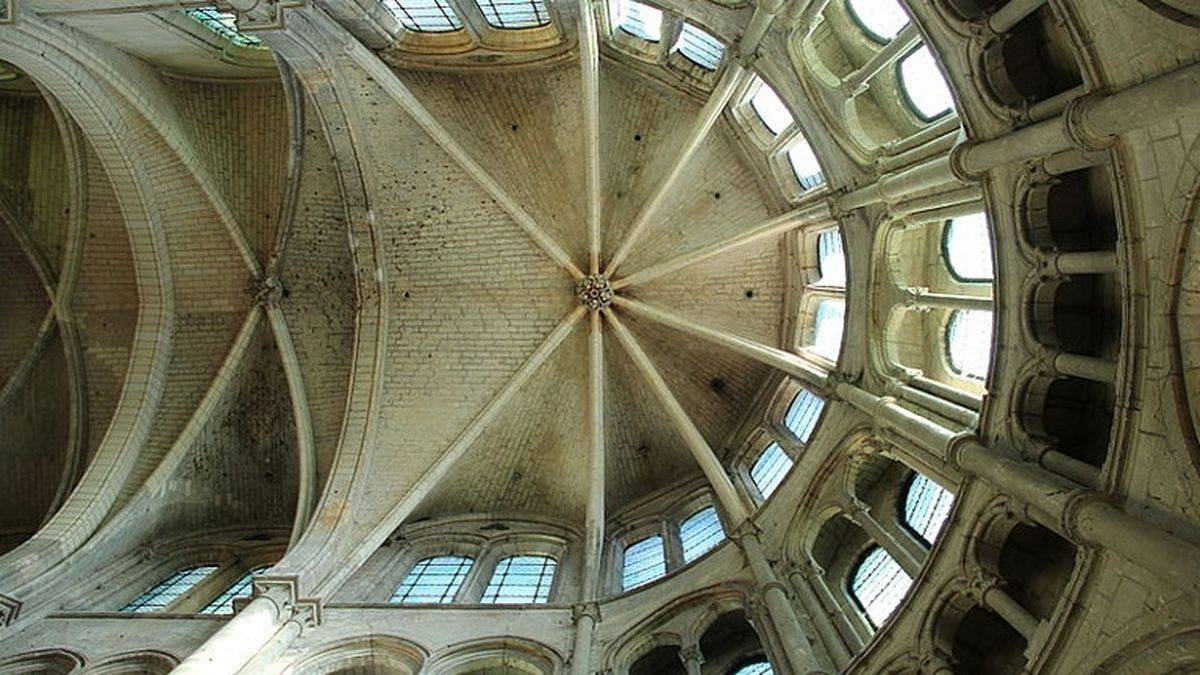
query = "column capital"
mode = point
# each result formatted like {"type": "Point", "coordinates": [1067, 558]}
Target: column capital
{"type": "Point", "coordinates": [256, 15]}
{"type": "Point", "coordinates": [282, 590]}
{"type": "Point", "coordinates": [7, 13]}
{"type": "Point", "coordinates": [582, 609]}
{"type": "Point", "coordinates": [958, 446]}
{"type": "Point", "coordinates": [979, 583]}
{"type": "Point", "coordinates": [958, 162]}
{"type": "Point", "coordinates": [1076, 125]}
{"type": "Point", "coordinates": [691, 653]}
{"type": "Point", "coordinates": [1070, 519]}
{"type": "Point", "coordinates": [747, 528]}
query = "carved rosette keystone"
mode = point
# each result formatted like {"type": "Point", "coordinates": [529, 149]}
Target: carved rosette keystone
{"type": "Point", "coordinates": [594, 292]}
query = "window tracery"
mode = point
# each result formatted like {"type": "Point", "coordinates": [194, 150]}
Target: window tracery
{"type": "Point", "coordinates": [878, 585]}
{"type": "Point", "coordinates": [433, 580]}
{"type": "Point", "coordinates": [639, 20]}
{"type": "Point", "coordinates": [521, 579]}
{"type": "Point", "coordinates": [167, 591]}
{"type": "Point", "coordinates": [769, 470]}
{"type": "Point", "coordinates": [699, 47]}
{"type": "Point", "coordinates": [242, 588]}
{"type": "Point", "coordinates": [424, 16]}
{"type": "Point", "coordinates": [514, 14]}
{"type": "Point", "coordinates": [700, 533]}
{"type": "Point", "coordinates": [643, 562]}
{"type": "Point", "coordinates": [926, 507]}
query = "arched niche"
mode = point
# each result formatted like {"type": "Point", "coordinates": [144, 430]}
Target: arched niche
{"type": "Point", "coordinates": [510, 656]}
{"type": "Point", "coordinates": [1032, 61]}
{"type": "Point", "coordinates": [1034, 564]}
{"type": "Point", "coordinates": [1073, 414]}
{"type": "Point", "coordinates": [1078, 315]}
{"type": "Point", "coordinates": [728, 640]}
{"type": "Point", "coordinates": [659, 660]}
{"type": "Point", "coordinates": [1072, 211]}
{"type": "Point", "coordinates": [382, 654]}
{"type": "Point", "coordinates": [978, 641]}
{"type": "Point", "coordinates": [136, 663]}
{"type": "Point", "coordinates": [42, 662]}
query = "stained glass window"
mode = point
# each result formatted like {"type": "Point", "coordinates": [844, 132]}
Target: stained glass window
{"type": "Point", "coordinates": [969, 343]}
{"type": "Point", "coordinates": [223, 603]}
{"type": "Point", "coordinates": [879, 584]}
{"type": "Point", "coordinates": [828, 323]}
{"type": "Point", "coordinates": [804, 165]}
{"type": "Point", "coordinates": [424, 16]}
{"type": "Point", "coordinates": [223, 24]}
{"type": "Point", "coordinates": [924, 85]}
{"type": "Point", "coordinates": [770, 469]}
{"type": "Point", "coordinates": [433, 580]}
{"type": "Point", "coordinates": [642, 21]}
{"type": "Point", "coordinates": [967, 248]}
{"type": "Point", "coordinates": [169, 590]}
{"type": "Point", "coordinates": [699, 47]}
{"type": "Point", "coordinates": [521, 579]}
{"type": "Point", "coordinates": [700, 533]}
{"type": "Point", "coordinates": [926, 507]}
{"type": "Point", "coordinates": [770, 109]}
{"type": "Point", "coordinates": [803, 413]}
{"type": "Point", "coordinates": [644, 562]}
{"type": "Point", "coordinates": [881, 19]}
{"type": "Point", "coordinates": [514, 13]}
{"type": "Point", "coordinates": [831, 259]}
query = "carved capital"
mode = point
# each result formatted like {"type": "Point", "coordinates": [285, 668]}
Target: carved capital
{"type": "Point", "coordinates": [8, 14]}
{"type": "Point", "coordinates": [1076, 126]}
{"type": "Point", "coordinates": [582, 609]}
{"type": "Point", "coordinates": [1078, 501]}
{"type": "Point", "coordinates": [282, 591]}
{"type": "Point", "coordinates": [10, 607]}
{"type": "Point", "coordinates": [259, 15]}
{"type": "Point", "coordinates": [978, 585]}
{"type": "Point", "coordinates": [691, 653]}
{"type": "Point", "coordinates": [958, 166]}
{"type": "Point", "coordinates": [958, 446]}
{"type": "Point", "coordinates": [747, 528]}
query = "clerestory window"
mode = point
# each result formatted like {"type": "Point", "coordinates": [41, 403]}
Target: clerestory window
{"type": "Point", "coordinates": [513, 14]}
{"type": "Point", "coordinates": [828, 323]}
{"type": "Point", "coordinates": [803, 413]}
{"type": "Point", "coordinates": [831, 259]}
{"type": "Point", "coordinates": [968, 343]}
{"type": "Point", "coordinates": [699, 47]}
{"type": "Point", "coordinates": [640, 21]}
{"type": "Point", "coordinates": [433, 580]}
{"type": "Point", "coordinates": [644, 561]}
{"type": "Point", "coordinates": [223, 24]}
{"type": "Point", "coordinates": [878, 585]}
{"type": "Point", "coordinates": [521, 579]}
{"type": "Point", "coordinates": [700, 533]}
{"type": "Point", "coordinates": [805, 165]}
{"type": "Point", "coordinates": [925, 88]}
{"type": "Point", "coordinates": [881, 19]}
{"type": "Point", "coordinates": [770, 109]}
{"type": "Point", "coordinates": [424, 16]}
{"type": "Point", "coordinates": [169, 590]}
{"type": "Point", "coordinates": [926, 507]}
{"type": "Point", "coordinates": [242, 588]}
{"type": "Point", "coordinates": [770, 469]}
{"type": "Point", "coordinates": [967, 249]}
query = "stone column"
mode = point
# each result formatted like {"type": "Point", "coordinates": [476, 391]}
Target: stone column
{"type": "Point", "coordinates": [1086, 367]}
{"type": "Point", "coordinates": [900, 44]}
{"type": "Point", "coordinates": [1083, 516]}
{"type": "Point", "coordinates": [834, 642]}
{"type": "Point", "coordinates": [692, 658]}
{"type": "Point", "coordinates": [586, 616]}
{"type": "Point", "coordinates": [800, 654]}
{"type": "Point", "coordinates": [985, 589]}
{"type": "Point", "coordinates": [922, 298]}
{"type": "Point", "coordinates": [910, 557]}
